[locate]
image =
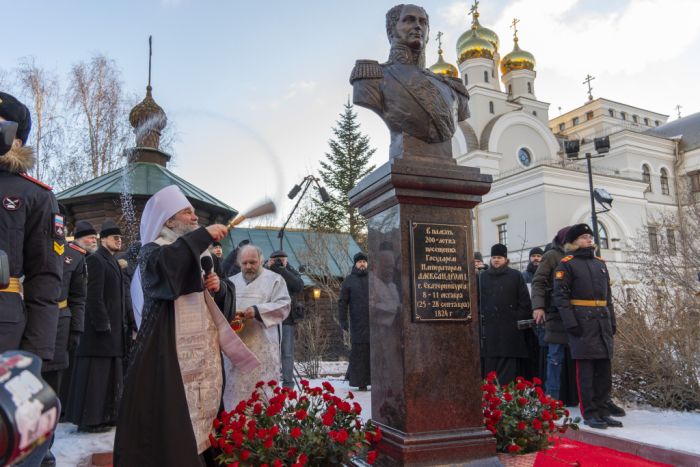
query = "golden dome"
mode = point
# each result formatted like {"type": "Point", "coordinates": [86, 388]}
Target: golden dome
{"type": "Point", "coordinates": [465, 44]}
{"type": "Point", "coordinates": [518, 59]}
{"type": "Point", "coordinates": [472, 45]}
{"type": "Point", "coordinates": [441, 67]}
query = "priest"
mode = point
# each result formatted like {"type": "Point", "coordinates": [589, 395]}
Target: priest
{"type": "Point", "coordinates": [264, 303]}
{"type": "Point", "coordinates": [173, 389]}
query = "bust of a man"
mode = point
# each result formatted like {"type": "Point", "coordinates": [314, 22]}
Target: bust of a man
{"type": "Point", "coordinates": [419, 107]}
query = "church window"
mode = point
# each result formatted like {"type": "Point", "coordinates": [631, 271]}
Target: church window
{"type": "Point", "coordinates": [534, 112]}
{"type": "Point", "coordinates": [524, 157]}
{"type": "Point", "coordinates": [466, 79]}
{"type": "Point", "coordinates": [510, 89]}
{"type": "Point", "coordinates": [671, 240]}
{"type": "Point", "coordinates": [604, 243]}
{"type": "Point", "coordinates": [491, 107]}
{"type": "Point", "coordinates": [623, 115]}
{"type": "Point", "coordinates": [529, 87]}
{"type": "Point", "coordinates": [492, 73]}
{"type": "Point", "coordinates": [562, 126]}
{"type": "Point", "coordinates": [634, 119]}
{"type": "Point", "coordinates": [695, 181]}
{"type": "Point", "coordinates": [503, 234]}
{"type": "Point", "coordinates": [646, 121]}
{"type": "Point", "coordinates": [589, 115]}
{"type": "Point", "coordinates": [611, 112]}
{"type": "Point", "coordinates": [646, 175]}
{"type": "Point", "coordinates": [653, 239]}
{"type": "Point", "coordinates": [486, 76]}
{"type": "Point", "coordinates": [665, 190]}
{"type": "Point", "coordinates": [657, 123]}
{"type": "Point", "coordinates": [575, 121]}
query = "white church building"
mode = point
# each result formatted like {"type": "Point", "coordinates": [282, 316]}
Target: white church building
{"type": "Point", "coordinates": [536, 190]}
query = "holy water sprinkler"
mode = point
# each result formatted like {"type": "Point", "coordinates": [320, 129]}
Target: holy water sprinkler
{"type": "Point", "coordinates": [263, 209]}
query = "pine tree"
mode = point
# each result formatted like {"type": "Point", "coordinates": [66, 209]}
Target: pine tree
{"type": "Point", "coordinates": [345, 165]}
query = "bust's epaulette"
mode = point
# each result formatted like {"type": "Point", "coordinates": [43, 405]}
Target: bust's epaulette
{"type": "Point", "coordinates": [366, 69]}
{"type": "Point", "coordinates": [77, 248]}
{"type": "Point", "coordinates": [458, 86]}
{"type": "Point", "coordinates": [34, 180]}
{"type": "Point", "coordinates": [566, 259]}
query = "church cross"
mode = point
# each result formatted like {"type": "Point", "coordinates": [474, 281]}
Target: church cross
{"type": "Point", "coordinates": [588, 80]}
{"type": "Point", "coordinates": [474, 7]}
{"type": "Point", "coordinates": [678, 108]}
{"type": "Point", "coordinates": [439, 39]}
{"type": "Point", "coordinates": [150, 54]}
{"type": "Point", "coordinates": [514, 25]}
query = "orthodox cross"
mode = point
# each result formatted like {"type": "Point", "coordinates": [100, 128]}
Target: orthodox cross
{"type": "Point", "coordinates": [678, 108]}
{"type": "Point", "coordinates": [150, 54]}
{"type": "Point", "coordinates": [439, 39]}
{"type": "Point", "coordinates": [588, 80]}
{"type": "Point", "coordinates": [474, 8]}
{"type": "Point", "coordinates": [514, 25]}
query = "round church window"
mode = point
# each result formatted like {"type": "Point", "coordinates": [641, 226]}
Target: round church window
{"type": "Point", "coordinates": [524, 157]}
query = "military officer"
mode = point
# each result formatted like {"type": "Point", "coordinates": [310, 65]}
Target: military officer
{"type": "Point", "coordinates": [582, 296]}
{"type": "Point", "coordinates": [33, 238]}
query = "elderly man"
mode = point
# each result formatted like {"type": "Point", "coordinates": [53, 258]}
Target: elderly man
{"type": "Point", "coordinates": [98, 375]}
{"type": "Point", "coordinates": [419, 107]}
{"type": "Point", "coordinates": [264, 303]}
{"type": "Point", "coordinates": [173, 389]}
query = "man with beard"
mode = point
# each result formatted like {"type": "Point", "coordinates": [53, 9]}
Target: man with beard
{"type": "Point", "coordinates": [503, 301]}
{"type": "Point", "coordinates": [263, 303]}
{"type": "Point", "coordinates": [84, 243]}
{"type": "Point", "coordinates": [584, 300]}
{"type": "Point", "coordinates": [354, 294]}
{"type": "Point", "coordinates": [173, 389]}
{"type": "Point", "coordinates": [535, 257]}
{"type": "Point", "coordinates": [98, 376]}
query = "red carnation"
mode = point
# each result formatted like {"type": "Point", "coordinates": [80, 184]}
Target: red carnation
{"type": "Point", "coordinates": [377, 435]}
{"type": "Point", "coordinates": [277, 463]}
{"type": "Point", "coordinates": [491, 377]}
{"type": "Point", "coordinates": [522, 401]}
{"type": "Point", "coordinates": [268, 443]}
{"type": "Point", "coordinates": [328, 386]}
{"type": "Point", "coordinates": [272, 383]}
{"type": "Point", "coordinates": [304, 383]}
{"type": "Point", "coordinates": [257, 409]}
{"type": "Point", "coordinates": [521, 426]}
{"type": "Point", "coordinates": [546, 416]}
{"type": "Point", "coordinates": [273, 410]}
{"type": "Point", "coordinates": [508, 397]}
{"type": "Point", "coordinates": [244, 455]}
{"type": "Point", "coordinates": [327, 418]}
{"type": "Point", "coordinates": [536, 381]}
{"type": "Point", "coordinates": [350, 395]}
{"type": "Point", "coordinates": [301, 414]}
{"type": "Point", "coordinates": [259, 384]}
{"type": "Point", "coordinates": [513, 448]}
{"type": "Point", "coordinates": [520, 386]}
{"type": "Point", "coordinates": [371, 456]}
{"type": "Point", "coordinates": [303, 459]}
{"type": "Point", "coordinates": [536, 424]}
{"type": "Point", "coordinates": [296, 432]}
{"type": "Point", "coordinates": [357, 408]}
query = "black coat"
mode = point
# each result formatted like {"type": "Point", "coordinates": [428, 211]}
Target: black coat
{"type": "Point", "coordinates": [34, 243]}
{"type": "Point", "coordinates": [154, 427]}
{"type": "Point", "coordinates": [542, 287]}
{"type": "Point", "coordinates": [295, 285]}
{"type": "Point", "coordinates": [105, 308]}
{"type": "Point", "coordinates": [504, 300]}
{"type": "Point", "coordinates": [582, 276]}
{"type": "Point", "coordinates": [354, 293]}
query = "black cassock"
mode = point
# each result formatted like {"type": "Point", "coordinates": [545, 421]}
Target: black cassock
{"type": "Point", "coordinates": [154, 427]}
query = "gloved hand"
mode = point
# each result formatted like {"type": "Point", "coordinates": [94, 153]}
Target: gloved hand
{"type": "Point", "coordinates": [73, 340]}
{"type": "Point", "coordinates": [576, 331]}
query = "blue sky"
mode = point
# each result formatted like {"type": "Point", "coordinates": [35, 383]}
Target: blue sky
{"type": "Point", "coordinates": [255, 87]}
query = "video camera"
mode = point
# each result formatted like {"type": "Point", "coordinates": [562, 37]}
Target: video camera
{"type": "Point", "coordinates": [29, 408]}
{"type": "Point", "coordinates": [8, 133]}
{"type": "Point", "coordinates": [527, 324]}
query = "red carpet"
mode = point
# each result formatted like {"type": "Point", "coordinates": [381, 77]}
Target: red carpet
{"type": "Point", "coordinates": [570, 452]}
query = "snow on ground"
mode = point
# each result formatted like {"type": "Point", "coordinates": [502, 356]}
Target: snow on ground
{"type": "Point", "coordinates": [671, 430]}
{"type": "Point", "coordinates": [679, 431]}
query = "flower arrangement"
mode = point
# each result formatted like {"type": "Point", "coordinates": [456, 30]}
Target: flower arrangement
{"type": "Point", "coordinates": [523, 418]}
{"type": "Point", "coordinates": [279, 427]}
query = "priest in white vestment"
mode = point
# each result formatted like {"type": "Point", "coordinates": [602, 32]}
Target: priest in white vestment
{"type": "Point", "coordinates": [263, 301]}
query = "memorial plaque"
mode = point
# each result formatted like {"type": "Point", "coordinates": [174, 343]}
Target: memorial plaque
{"type": "Point", "coordinates": [440, 272]}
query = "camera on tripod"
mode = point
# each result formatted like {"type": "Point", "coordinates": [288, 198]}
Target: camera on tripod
{"type": "Point", "coordinates": [8, 132]}
{"type": "Point", "coordinates": [4, 270]}
{"type": "Point", "coordinates": [527, 324]}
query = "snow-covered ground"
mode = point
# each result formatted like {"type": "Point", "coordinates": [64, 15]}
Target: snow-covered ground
{"type": "Point", "coordinates": [672, 430]}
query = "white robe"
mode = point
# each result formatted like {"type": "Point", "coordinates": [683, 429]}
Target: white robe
{"type": "Point", "coordinates": [268, 293]}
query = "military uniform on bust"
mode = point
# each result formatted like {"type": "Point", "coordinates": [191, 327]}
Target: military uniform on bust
{"type": "Point", "coordinates": [583, 298]}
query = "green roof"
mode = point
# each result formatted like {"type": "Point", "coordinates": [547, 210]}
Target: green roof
{"type": "Point", "coordinates": [145, 179]}
{"type": "Point", "coordinates": [319, 253]}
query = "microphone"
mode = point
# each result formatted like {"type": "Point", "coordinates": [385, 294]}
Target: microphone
{"type": "Point", "coordinates": [207, 265]}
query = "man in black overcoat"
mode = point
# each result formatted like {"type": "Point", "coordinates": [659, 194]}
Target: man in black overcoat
{"type": "Point", "coordinates": [354, 294]}
{"type": "Point", "coordinates": [98, 375]}
{"type": "Point", "coordinates": [503, 300]}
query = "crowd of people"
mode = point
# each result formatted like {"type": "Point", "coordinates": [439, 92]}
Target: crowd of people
{"type": "Point", "coordinates": [554, 321]}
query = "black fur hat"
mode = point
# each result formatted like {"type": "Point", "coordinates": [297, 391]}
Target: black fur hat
{"type": "Point", "coordinates": [576, 231]}
{"type": "Point", "coordinates": [499, 249]}
{"type": "Point", "coordinates": [14, 111]}
{"type": "Point", "coordinates": [109, 227]}
{"type": "Point", "coordinates": [83, 228]}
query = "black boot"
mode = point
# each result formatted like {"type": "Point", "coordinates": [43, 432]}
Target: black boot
{"type": "Point", "coordinates": [614, 409]}
{"type": "Point", "coordinates": [596, 423]}
{"type": "Point", "coordinates": [49, 460]}
{"type": "Point", "coordinates": [612, 422]}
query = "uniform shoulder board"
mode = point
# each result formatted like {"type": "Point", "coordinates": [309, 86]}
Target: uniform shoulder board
{"type": "Point", "coordinates": [366, 69]}
{"type": "Point", "coordinates": [566, 259]}
{"type": "Point", "coordinates": [458, 86]}
{"type": "Point", "coordinates": [77, 248]}
{"type": "Point", "coordinates": [34, 180]}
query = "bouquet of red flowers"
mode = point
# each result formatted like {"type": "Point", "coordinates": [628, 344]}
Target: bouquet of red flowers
{"type": "Point", "coordinates": [279, 427]}
{"type": "Point", "coordinates": [523, 418]}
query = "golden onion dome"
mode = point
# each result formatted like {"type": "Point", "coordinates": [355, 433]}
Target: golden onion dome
{"type": "Point", "coordinates": [472, 45]}
{"type": "Point", "coordinates": [441, 67]}
{"type": "Point", "coordinates": [518, 59]}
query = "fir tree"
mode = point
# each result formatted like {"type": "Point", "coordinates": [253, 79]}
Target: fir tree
{"type": "Point", "coordinates": [345, 165]}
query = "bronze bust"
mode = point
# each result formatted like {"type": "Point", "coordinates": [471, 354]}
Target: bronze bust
{"type": "Point", "coordinates": [419, 107]}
